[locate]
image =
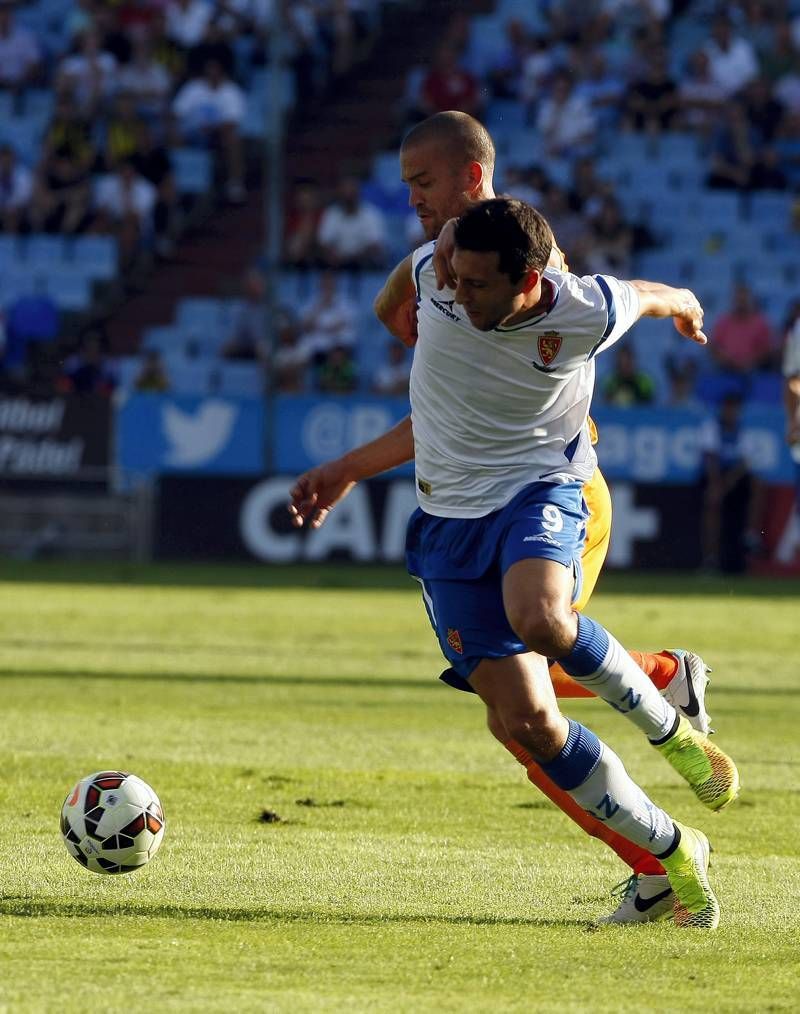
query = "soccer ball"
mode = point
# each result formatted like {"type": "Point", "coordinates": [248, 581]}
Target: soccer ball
{"type": "Point", "coordinates": [112, 822]}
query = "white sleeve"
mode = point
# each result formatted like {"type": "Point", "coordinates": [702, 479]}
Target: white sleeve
{"type": "Point", "coordinates": [375, 231]}
{"type": "Point", "coordinates": [328, 226]}
{"type": "Point", "coordinates": [233, 103]}
{"type": "Point", "coordinates": [622, 306]}
{"type": "Point", "coordinates": [791, 353]}
{"type": "Point", "coordinates": [708, 437]}
{"type": "Point", "coordinates": [184, 101]}
{"type": "Point", "coordinates": [419, 258]}
{"type": "Point", "coordinates": [23, 189]}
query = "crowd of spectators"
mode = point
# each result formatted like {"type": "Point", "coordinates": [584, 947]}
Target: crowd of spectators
{"type": "Point", "coordinates": [582, 76]}
{"type": "Point", "coordinates": [134, 80]}
{"type": "Point", "coordinates": [121, 85]}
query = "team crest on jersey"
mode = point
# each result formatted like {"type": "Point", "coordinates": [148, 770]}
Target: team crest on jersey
{"type": "Point", "coordinates": [549, 345]}
{"type": "Point", "coordinates": [454, 640]}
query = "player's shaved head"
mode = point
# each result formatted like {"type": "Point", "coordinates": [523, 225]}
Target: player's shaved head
{"type": "Point", "coordinates": [458, 135]}
{"type": "Point", "coordinates": [447, 163]}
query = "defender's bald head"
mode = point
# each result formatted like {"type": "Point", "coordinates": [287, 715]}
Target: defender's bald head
{"type": "Point", "coordinates": [458, 134]}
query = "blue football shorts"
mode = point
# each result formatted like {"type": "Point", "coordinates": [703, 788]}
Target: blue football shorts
{"type": "Point", "coordinates": [460, 563]}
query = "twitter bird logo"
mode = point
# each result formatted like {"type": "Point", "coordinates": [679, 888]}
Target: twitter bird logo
{"type": "Point", "coordinates": [196, 438]}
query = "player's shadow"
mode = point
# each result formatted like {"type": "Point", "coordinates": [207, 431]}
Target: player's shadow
{"type": "Point", "coordinates": [36, 908]}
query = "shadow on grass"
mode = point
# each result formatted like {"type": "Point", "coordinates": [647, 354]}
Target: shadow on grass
{"type": "Point", "coordinates": [274, 679]}
{"type": "Point", "coordinates": [31, 908]}
{"type": "Point", "coordinates": [389, 577]}
{"type": "Point", "coordinates": [262, 680]}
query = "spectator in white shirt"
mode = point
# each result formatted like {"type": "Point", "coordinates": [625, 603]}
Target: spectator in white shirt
{"type": "Point", "coordinates": [732, 58]}
{"type": "Point", "coordinates": [327, 321]}
{"type": "Point", "coordinates": [392, 377]}
{"type": "Point", "coordinates": [20, 53]}
{"type": "Point", "coordinates": [210, 109]}
{"type": "Point", "coordinates": [565, 122]}
{"type": "Point", "coordinates": [701, 97]}
{"type": "Point", "coordinates": [124, 202]}
{"type": "Point", "coordinates": [16, 187]}
{"type": "Point", "coordinates": [90, 74]}
{"type": "Point", "coordinates": [187, 20]}
{"type": "Point", "coordinates": [146, 79]}
{"type": "Point", "coordinates": [352, 233]}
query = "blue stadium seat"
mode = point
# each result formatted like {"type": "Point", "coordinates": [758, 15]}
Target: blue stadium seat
{"type": "Point", "coordinates": [244, 380]}
{"type": "Point", "coordinates": [9, 251]}
{"type": "Point", "coordinates": [386, 170]}
{"type": "Point", "coordinates": [770, 210]}
{"type": "Point", "coordinates": [199, 312]}
{"type": "Point", "coordinates": [127, 370]}
{"type": "Point", "coordinates": [507, 114]}
{"type": "Point", "coordinates": [168, 339]}
{"type": "Point", "coordinates": [41, 249]}
{"type": "Point", "coordinates": [69, 292]}
{"type": "Point", "coordinates": [99, 256]}
{"type": "Point", "coordinates": [193, 170]}
{"type": "Point", "coordinates": [188, 376]}
{"type": "Point", "coordinates": [39, 103]}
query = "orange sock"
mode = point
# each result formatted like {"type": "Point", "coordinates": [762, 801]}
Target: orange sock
{"type": "Point", "coordinates": [660, 667]}
{"type": "Point", "coordinates": [639, 860]}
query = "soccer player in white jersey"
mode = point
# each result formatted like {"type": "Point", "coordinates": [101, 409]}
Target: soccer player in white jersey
{"type": "Point", "coordinates": [500, 389]}
{"type": "Point", "coordinates": [447, 162]}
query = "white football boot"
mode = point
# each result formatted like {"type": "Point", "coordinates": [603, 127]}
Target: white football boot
{"type": "Point", "coordinates": [644, 898]}
{"type": "Point", "coordinates": [686, 691]}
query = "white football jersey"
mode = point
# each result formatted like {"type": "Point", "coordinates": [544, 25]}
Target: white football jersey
{"type": "Point", "coordinates": [495, 410]}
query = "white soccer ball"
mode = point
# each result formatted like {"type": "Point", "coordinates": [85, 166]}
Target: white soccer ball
{"type": "Point", "coordinates": [112, 822]}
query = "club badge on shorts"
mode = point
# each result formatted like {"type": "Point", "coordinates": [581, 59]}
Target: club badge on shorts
{"type": "Point", "coordinates": [454, 640]}
{"type": "Point", "coordinates": [549, 345]}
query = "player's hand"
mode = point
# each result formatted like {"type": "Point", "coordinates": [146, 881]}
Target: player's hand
{"type": "Point", "coordinates": [689, 320]}
{"type": "Point", "coordinates": [316, 493]}
{"type": "Point", "coordinates": [443, 254]}
{"type": "Point", "coordinates": [793, 432]}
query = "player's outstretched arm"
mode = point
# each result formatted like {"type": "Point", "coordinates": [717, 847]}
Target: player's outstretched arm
{"type": "Point", "coordinates": [316, 492]}
{"type": "Point", "coordinates": [658, 300]}
{"type": "Point", "coordinates": [396, 304]}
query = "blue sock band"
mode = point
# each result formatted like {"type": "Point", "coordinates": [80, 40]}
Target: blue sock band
{"type": "Point", "coordinates": [589, 651]}
{"type": "Point", "coordinates": [577, 760]}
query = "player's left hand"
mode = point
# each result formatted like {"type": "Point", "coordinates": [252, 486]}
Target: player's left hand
{"type": "Point", "coordinates": [443, 254]}
{"type": "Point", "coordinates": [316, 492]}
{"type": "Point", "coordinates": [689, 321]}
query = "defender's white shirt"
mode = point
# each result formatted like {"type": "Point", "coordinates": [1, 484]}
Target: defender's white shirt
{"type": "Point", "coordinates": [493, 411]}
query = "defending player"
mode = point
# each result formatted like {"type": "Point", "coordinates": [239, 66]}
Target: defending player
{"type": "Point", "coordinates": [502, 450]}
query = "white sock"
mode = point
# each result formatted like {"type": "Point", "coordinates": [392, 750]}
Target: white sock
{"type": "Point", "coordinates": [600, 663]}
{"type": "Point", "coordinates": [597, 780]}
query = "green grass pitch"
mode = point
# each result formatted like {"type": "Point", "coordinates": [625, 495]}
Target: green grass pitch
{"type": "Point", "coordinates": [413, 868]}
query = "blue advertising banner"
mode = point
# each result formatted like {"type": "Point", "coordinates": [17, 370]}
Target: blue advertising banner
{"type": "Point", "coordinates": [310, 429]}
{"type": "Point", "coordinates": [636, 444]}
{"type": "Point", "coordinates": [665, 445]}
{"type": "Point", "coordinates": [158, 433]}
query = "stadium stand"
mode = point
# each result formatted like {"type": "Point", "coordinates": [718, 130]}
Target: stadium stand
{"type": "Point", "coordinates": [682, 229]}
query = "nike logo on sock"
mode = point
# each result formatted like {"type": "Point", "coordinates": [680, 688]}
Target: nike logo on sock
{"type": "Point", "coordinates": [645, 904]}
